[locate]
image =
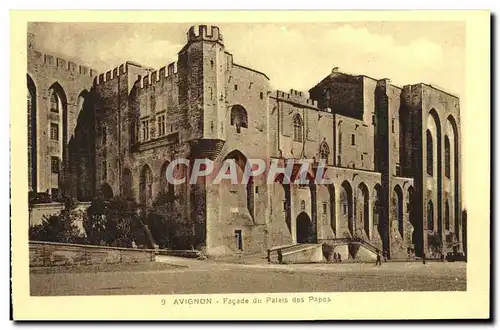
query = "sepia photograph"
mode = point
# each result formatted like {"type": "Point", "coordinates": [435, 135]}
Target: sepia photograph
{"type": "Point", "coordinates": [225, 163]}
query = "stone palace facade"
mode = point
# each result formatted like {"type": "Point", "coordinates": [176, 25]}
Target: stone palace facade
{"type": "Point", "coordinates": [393, 153]}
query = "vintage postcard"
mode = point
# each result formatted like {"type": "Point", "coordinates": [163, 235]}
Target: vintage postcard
{"type": "Point", "coordinates": [250, 165]}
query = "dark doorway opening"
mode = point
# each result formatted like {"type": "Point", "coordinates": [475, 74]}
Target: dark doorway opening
{"type": "Point", "coordinates": [305, 229]}
{"type": "Point", "coordinates": [238, 240]}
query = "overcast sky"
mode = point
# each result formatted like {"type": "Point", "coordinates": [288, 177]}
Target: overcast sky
{"type": "Point", "coordinates": [295, 55]}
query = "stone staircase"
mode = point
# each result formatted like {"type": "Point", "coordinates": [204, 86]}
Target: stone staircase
{"type": "Point", "coordinates": [354, 249]}
{"type": "Point", "coordinates": [296, 253]}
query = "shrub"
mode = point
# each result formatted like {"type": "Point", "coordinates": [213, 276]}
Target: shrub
{"type": "Point", "coordinates": [60, 228]}
{"type": "Point", "coordinates": [167, 226]}
{"type": "Point", "coordinates": [114, 222]}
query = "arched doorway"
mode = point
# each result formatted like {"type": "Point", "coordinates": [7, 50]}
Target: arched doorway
{"type": "Point", "coordinates": [305, 229]}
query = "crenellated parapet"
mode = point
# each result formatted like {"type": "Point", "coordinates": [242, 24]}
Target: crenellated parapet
{"type": "Point", "coordinates": [156, 77]}
{"type": "Point", "coordinates": [205, 33]}
{"type": "Point", "coordinates": [298, 98]}
{"type": "Point", "coordinates": [110, 75]}
{"type": "Point", "coordinates": [59, 63]}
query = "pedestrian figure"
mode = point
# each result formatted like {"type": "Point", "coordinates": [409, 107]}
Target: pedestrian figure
{"type": "Point", "coordinates": [385, 255]}
{"type": "Point", "coordinates": [423, 258]}
{"type": "Point", "coordinates": [339, 256]}
{"type": "Point", "coordinates": [335, 257]}
{"type": "Point", "coordinates": [379, 261]}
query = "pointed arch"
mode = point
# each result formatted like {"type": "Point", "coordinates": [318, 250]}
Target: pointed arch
{"type": "Point", "coordinates": [59, 100]}
{"type": "Point", "coordinates": [305, 229]}
{"type": "Point", "coordinates": [298, 128]}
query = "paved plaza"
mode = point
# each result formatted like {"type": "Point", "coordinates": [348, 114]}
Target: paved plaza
{"type": "Point", "coordinates": [170, 275]}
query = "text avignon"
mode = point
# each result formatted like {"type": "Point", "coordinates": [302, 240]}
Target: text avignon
{"type": "Point", "coordinates": [193, 301]}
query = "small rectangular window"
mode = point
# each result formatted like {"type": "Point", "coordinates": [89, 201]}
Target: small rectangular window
{"type": "Point", "coordinates": [235, 87]}
{"type": "Point", "coordinates": [261, 95]}
{"type": "Point", "coordinates": [161, 125]}
{"type": "Point", "coordinates": [54, 131]}
{"type": "Point", "coordinates": [256, 189]}
{"type": "Point", "coordinates": [54, 164]}
{"type": "Point", "coordinates": [284, 205]}
{"type": "Point", "coordinates": [373, 119]}
{"type": "Point", "coordinates": [353, 139]}
{"type": "Point", "coordinates": [325, 207]}
{"type": "Point", "coordinates": [344, 209]}
{"type": "Point", "coordinates": [392, 125]}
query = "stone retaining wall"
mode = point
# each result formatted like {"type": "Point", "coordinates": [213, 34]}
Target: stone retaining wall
{"type": "Point", "coordinates": [60, 254]}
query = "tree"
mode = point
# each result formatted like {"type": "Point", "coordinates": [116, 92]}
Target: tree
{"type": "Point", "coordinates": [168, 227]}
{"type": "Point", "coordinates": [60, 228]}
{"type": "Point", "coordinates": [114, 222]}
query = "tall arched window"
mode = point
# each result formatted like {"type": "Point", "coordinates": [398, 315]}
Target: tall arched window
{"type": "Point", "coordinates": [447, 159]}
{"type": "Point", "coordinates": [324, 151]}
{"type": "Point", "coordinates": [430, 153]}
{"type": "Point", "coordinates": [239, 117]}
{"type": "Point", "coordinates": [430, 216]}
{"type": "Point", "coordinates": [297, 128]}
